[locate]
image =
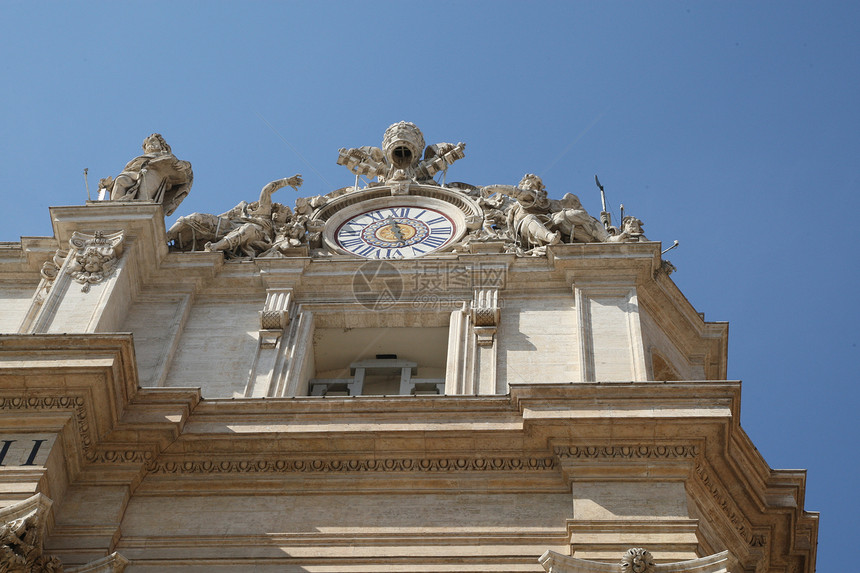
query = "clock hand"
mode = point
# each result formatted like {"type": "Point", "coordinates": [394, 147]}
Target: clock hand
{"type": "Point", "coordinates": [395, 228]}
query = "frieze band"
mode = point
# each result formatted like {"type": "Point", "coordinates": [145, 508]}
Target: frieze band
{"type": "Point", "coordinates": [355, 465]}
{"type": "Point", "coordinates": [72, 403]}
{"type": "Point", "coordinates": [629, 451]}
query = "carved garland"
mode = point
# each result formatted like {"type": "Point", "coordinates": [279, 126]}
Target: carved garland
{"type": "Point", "coordinates": [354, 465]}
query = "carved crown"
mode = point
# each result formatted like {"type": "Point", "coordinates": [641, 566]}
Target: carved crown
{"type": "Point", "coordinates": [400, 136]}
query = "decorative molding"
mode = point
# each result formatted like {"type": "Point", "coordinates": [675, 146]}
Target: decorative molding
{"type": "Point", "coordinates": [74, 404]}
{"type": "Point", "coordinates": [77, 405]}
{"type": "Point", "coordinates": [668, 452]}
{"type": "Point", "coordinates": [275, 316]}
{"type": "Point", "coordinates": [485, 307]}
{"type": "Point", "coordinates": [129, 456]}
{"type": "Point", "coordinates": [640, 561]}
{"type": "Point", "coordinates": [270, 319]}
{"type": "Point", "coordinates": [95, 257]}
{"type": "Point", "coordinates": [730, 510]}
{"type": "Point", "coordinates": [276, 310]}
{"type": "Point", "coordinates": [208, 466]}
{"type": "Point", "coordinates": [113, 563]}
{"type": "Point", "coordinates": [485, 335]}
{"type": "Point", "coordinates": [50, 269]}
{"type": "Point", "coordinates": [486, 314]}
{"type": "Point", "coordinates": [665, 267]}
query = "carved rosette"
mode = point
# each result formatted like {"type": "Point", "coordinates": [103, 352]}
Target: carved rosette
{"type": "Point", "coordinates": [95, 257]}
{"type": "Point", "coordinates": [637, 560]}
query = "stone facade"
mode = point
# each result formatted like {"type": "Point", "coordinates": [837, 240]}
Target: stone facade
{"type": "Point", "coordinates": [532, 392]}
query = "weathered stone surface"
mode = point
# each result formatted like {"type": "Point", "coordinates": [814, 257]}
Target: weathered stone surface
{"type": "Point", "coordinates": [571, 401]}
{"type": "Point", "coordinates": [156, 176]}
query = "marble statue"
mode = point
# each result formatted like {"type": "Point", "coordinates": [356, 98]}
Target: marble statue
{"type": "Point", "coordinates": [157, 175]}
{"type": "Point", "coordinates": [247, 229]}
{"type": "Point", "coordinates": [520, 219]}
{"type": "Point", "coordinates": [575, 223]}
{"type": "Point", "coordinates": [533, 221]}
{"type": "Point", "coordinates": [530, 216]}
{"type": "Point", "coordinates": [254, 230]}
{"type": "Point", "coordinates": [631, 230]}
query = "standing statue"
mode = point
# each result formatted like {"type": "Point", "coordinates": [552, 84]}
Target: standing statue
{"type": "Point", "coordinates": [157, 175]}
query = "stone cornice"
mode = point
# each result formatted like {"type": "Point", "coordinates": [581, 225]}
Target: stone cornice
{"type": "Point", "coordinates": [663, 301]}
{"type": "Point", "coordinates": [92, 381]}
{"type": "Point", "coordinates": [639, 264]}
{"type": "Point", "coordinates": [595, 400]}
{"type": "Point", "coordinates": [681, 431]}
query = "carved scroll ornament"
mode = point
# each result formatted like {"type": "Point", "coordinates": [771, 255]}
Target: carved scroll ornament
{"type": "Point", "coordinates": [22, 527]}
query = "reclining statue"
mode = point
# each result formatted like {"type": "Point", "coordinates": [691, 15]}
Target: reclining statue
{"type": "Point", "coordinates": [245, 230]}
{"type": "Point", "coordinates": [535, 221]}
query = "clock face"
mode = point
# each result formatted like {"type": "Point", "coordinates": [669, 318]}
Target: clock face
{"type": "Point", "coordinates": [396, 232]}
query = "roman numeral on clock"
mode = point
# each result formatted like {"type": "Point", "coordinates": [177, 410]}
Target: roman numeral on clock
{"type": "Point", "coordinates": [365, 252]}
{"type": "Point", "coordinates": [434, 242]}
{"type": "Point", "coordinates": [395, 232]}
{"type": "Point", "coordinates": [350, 243]}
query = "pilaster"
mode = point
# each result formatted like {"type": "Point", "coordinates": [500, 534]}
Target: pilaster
{"type": "Point", "coordinates": [105, 251]}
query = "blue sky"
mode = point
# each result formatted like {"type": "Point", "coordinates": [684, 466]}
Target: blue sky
{"type": "Point", "coordinates": [729, 126]}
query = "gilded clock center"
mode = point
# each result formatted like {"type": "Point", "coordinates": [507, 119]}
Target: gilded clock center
{"type": "Point", "coordinates": [396, 232]}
